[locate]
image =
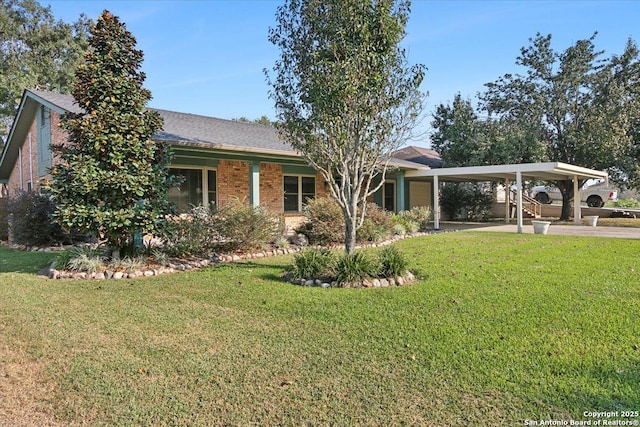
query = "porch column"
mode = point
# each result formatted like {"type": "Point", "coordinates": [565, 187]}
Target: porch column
{"type": "Point", "coordinates": [577, 212]}
{"type": "Point", "coordinates": [519, 199]}
{"type": "Point", "coordinates": [507, 201]}
{"type": "Point", "coordinates": [436, 203]}
{"type": "Point", "coordinates": [400, 204]}
{"type": "Point", "coordinates": [254, 184]}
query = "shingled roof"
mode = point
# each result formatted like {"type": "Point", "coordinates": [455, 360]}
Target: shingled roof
{"type": "Point", "coordinates": [192, 129]}
{"type": "Point", "coordinates": [424, 156]}
{"type": "Point", "coordinates": [178, 129]}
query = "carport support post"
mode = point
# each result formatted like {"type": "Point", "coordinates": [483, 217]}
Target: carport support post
{"type": "Point", "coordinates": [577, 213]}
{"type": "Point", "coordinates": [519, 199]}
{"type": "Point", "coordinates": [436, 203]}
{"type": "Point", "coordinates": [507, 201]}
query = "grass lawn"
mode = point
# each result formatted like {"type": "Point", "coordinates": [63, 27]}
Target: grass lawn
{"type": "Point", "coordinates": [501, 328]}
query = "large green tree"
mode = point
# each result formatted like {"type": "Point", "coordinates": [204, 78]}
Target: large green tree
{"type": "Point", "coordinates": [466, 137]}
{"type": "Point", "coordinates": [577, 103]}
{"type": "Point", "coordinates": [36, 52]}
{"type": "Point", "coordinates": [344, 94]}
{"type": "Point", "coordinates": [113, 177]}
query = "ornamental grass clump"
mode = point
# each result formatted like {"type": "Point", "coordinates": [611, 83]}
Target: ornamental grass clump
{"type": "Point", "coordinates": [393, 263]}
{"type": "Point", "coordinates": [313, 263]}
{"type": "Point", "coordinates": [82, 258]}
{"type": "Point", "coordinates": [356, 267]}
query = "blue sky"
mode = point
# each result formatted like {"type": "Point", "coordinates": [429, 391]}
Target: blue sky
{"type": "Point", "coordinates": [207, 57]}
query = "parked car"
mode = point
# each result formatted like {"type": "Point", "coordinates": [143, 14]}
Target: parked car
{"type": "Point", "coordinates": [595, 195]}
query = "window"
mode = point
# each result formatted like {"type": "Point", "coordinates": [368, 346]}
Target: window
{"type": "Point", "coordinates": [389, 196]}
{"type": "Point", "coordinates": [297, 190]}
{"type": "Point", "coordinates": [198, 187]}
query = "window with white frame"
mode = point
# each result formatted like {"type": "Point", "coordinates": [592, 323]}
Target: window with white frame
{"type": "Point", "coordinates": [198, 187]}
{"type": "Point", "coordinates": [297, 190]}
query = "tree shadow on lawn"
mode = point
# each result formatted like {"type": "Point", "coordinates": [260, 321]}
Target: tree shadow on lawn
{"type": "Point", "coordinates": [261, 271]}
{"type": "Point", "coordinates": [12, 261]}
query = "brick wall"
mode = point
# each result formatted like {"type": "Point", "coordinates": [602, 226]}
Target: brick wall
{"type": "Point", "coordinates": [27, 162]}
{"type": "Point", "coordinates": [233, 181]}
{"type": "Point", "coordinates": [271, 186]}
{"type": "Point", "coordinates": [30, 155]}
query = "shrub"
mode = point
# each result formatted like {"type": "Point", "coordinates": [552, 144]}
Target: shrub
{"type": "Point", "coordinates": [622, 203]}
{"type": "Point", "coordinates": [392, 262]}
{"type": "Point", "coordinates": [325, 222]}
{"type": "Point", "coordinates": [4, 218]}
{"type": "Point", "coordinates": [242, 226]}
{"type": "Point", "coordinates": [186, 235]}
{"type": "Point", "coordinates": [354, 267]}
{"type": "Point", "coordinates": [281, 242]}
{"type": "Point", "coordinates": [204, 230]}
{"type": "Point", "coordinates": [413, 220]}
{"type": "Point", "coordinates": [376, 225]}
{"type": "Point", "coordinates": [465, 200]}
{"type": "Point", "coordinates": [31, 220]}
{"type": "Point", "coordinates": [399, 229]}
{"type": "Point", "coordinates": [312, 263]}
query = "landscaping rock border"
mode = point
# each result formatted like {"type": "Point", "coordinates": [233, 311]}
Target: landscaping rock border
{"type": "Point", "coordinates": [376, 282]}
{"type": "Point", "coordinates": [176, 265]}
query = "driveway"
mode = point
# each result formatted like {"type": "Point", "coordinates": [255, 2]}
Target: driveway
{"type": "Point", "coordinates": [560, 230]}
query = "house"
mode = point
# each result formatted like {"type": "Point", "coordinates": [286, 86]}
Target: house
{"type": "Point", "coordinates": [219, 160]}
{"type": "Point", "coordinates": [424, 156]}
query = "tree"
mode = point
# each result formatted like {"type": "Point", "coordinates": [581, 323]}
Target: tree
{"type": "Point", "coordinates": [463, 138]}
{"type": "Point", "coordinates": [344, 94]}
{"type": "Point", "coordinates": [577, 104]}
{"type": "Point", "coordinates": [263, 120]}
{"type": "Point", "coordinates": [112, 180]}
{"type": "Point", "coordinates": [36, 52]}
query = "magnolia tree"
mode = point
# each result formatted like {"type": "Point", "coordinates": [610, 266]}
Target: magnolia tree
{"type": "Point", "coordinates": [112, 178]}
{"type": "Point", "coordinates": [344, 94]}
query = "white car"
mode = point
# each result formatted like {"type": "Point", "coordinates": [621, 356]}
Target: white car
{"type": "Point", "coordinates": [595, 195]}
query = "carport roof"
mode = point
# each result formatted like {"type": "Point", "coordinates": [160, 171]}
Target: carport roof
{"type": "Point", "coordinates": [551, 171]}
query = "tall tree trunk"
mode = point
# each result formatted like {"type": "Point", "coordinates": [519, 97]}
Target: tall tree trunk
{"type": "Point", "coordinates": [350, 235]}
{"type": "Point", "coordinates": [565, 215]}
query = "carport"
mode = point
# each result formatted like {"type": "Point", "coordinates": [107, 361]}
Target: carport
{"type": "Point", "coordinates": [550, 171]}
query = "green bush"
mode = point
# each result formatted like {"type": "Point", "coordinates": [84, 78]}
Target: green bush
{"type": "Point", "coordinates": [465, 200]}
{"type": "Point", "coordinates": [4, 218]}
{"type": "Point", "coordinates": [354, 267]}
{"type": "Point", "coordinates": [204, 230]}
{"type": "Point", "coordinates": [392, 262]}
{"type": "Point", "coordinates": [376, 226]}
{"type": "Point", "coordinates": [625, 203]}
{"type": "Point", "coordinates": [325, 222]}
{"type": "Point", "coordinates": [242, 226]}
{"type": "Point", "coordinates": [314, 263]}
{"type": "Point", "coordinates": [413, 220]}
{"type": "Point", "coordinates": [31, 220]}
{"type": "Point", "coordinates": [188, 234]}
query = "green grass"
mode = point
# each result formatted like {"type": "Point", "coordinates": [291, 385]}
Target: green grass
{"type": "Point", "coordinates": [500, 328]}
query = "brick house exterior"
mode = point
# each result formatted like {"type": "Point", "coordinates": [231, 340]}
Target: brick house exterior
{"type": "Point", "coordinates": [220, 160]}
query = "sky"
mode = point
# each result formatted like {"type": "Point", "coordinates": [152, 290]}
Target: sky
{"type": "Point", "coordinates": [207, 57]}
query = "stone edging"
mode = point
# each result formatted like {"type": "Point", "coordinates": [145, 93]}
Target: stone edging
{"type": "Point", "coordinates": [177, 265]}
{"type": "Point", "coordinates": [377, 282]}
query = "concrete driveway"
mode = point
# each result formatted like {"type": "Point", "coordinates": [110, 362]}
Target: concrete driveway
{"type": "Point", "coordinates": [560, 230]}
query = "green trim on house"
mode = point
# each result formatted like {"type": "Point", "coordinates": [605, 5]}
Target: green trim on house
{"type": "Point", "coordinates": [298, 170]}
{"type": "Point", "coordinates": [43, 118]}
{"type": "Point", "coordinates": [184, 152]}
{"type": "Point", "coordinates": [254, 184]}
